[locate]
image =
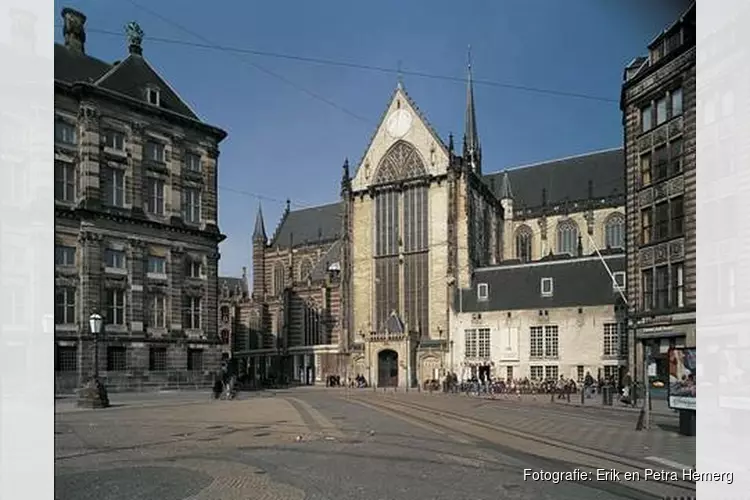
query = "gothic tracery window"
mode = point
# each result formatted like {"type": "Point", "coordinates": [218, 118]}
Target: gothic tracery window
{"type": "Point", "coordinates": [614, 231]}
{"type": "Point", "coordinates": [278, 278]}
{"type": "Point", "coordinates": [401, 162]}
{"type": "Point", "coordinates": [567, 237]}
{"type": "Point", "coordinates": [305, 267]}
{"type": "Point", "coordinates": [312, 324]}
{"type": "Point", "coordinates": [524, 237]}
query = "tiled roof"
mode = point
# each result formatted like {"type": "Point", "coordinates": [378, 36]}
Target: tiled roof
{"type": "Point", "coordinates": [565, 179]}
{"type": "Point", "coordinates": [309, 225]}
{"type": "Point", "coordinates": [331, 258]}
{"type": "Point", "coordinates": [577, 282]}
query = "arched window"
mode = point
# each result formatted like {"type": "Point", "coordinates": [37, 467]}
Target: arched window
{"type": "Point", "coordinates": [225, 314]}
{"type": "Point", "coordinates": [312, 324]}
{"type": "Point", "coordinates": [278, 278]}
{"type": "Point", "coordinates": [524, 237]}
{"type": "Point", "coordinates": [567, 237]}
{"type": "Point", "coordinates": [305, 267]}
{"type": "Point", "coordinates": [614, 231]}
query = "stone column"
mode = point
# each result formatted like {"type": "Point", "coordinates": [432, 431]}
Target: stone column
{"type": "Point", "coordinates": [89, 174]}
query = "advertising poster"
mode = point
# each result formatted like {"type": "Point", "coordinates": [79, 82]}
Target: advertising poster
{"type": "Point", "coordinates": [681, 390]}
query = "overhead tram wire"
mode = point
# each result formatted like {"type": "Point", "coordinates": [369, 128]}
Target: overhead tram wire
{"type": "Point", "coordinates": [210, 44]}
{"type": "Point", "coordinates": [364, 67]}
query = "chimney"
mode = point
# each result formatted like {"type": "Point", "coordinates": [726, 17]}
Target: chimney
{"type": "Point", "coordinates": [73, 30]}
{"type": "Point", "coordinates": [23, 32]}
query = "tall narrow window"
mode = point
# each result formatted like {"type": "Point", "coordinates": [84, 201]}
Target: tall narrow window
{"type": "Point", "coordinates": [677, 208]}
{"type": "Point", "coordinates": [305, 268]}
{"type": "Point", "coordinates": [115, 307]}
{"type": "Point", "coordinates": [647, 289]}
{"type": "Point", "coordinates": [567, 238]}
{"type": "Point", "coordinates": [192, 317]}
{"type": "Point", "coordinates": [415, 246]}
{"type": "Point", "coordinates": [191, 205]}
{"type": "Point", "coordinates": [645, 167]}
{"type": "Point", "coordinates": [470, 343]}
{"type": "Point", "coordinates": [678, 285]}
{"type": "Point", "coordinates": [155, 196]}
{"type": "Point", "coordinates": [551, 341]}
{"type": "Point", "coordinates": [158, 311]}
{"type": "Point", "coordinates": [312, 324]}
{"type": "Point", "coordinates": [65, 306]}
{"type": "Point", "coordinates": [278, 278]}
{"type": "Point", "coordinates": [675, 157]}
{"type": "Point", "coordinates": [524, 237]}
{"type": "Point", "coordinates": [614, 231]}
{"type": "Point", "coordinates": [661, 110]}
{"type": "Point", "coordinates": [536, 342]}
{"type": "Point", "coordinates": [386, 256]}
{"type": "Point", "coordinates": [114, 185]}
{"type": "Point", "coordinates": [662, 221]}
{"type": "Point", "coordinates": [64, 181]}
{"type": "Point", "coordinates": [646, 118]}
{"type": "Point", "coordinates": [647, 226]}
{"type": "Point", "coordinates": [483, 343]}
{"type": "Point", "coordinates": [662, 287]}
{"type": "Point", "coordinates": [661, 163]}
{"type": "Point", "coordinates": [676, 102]}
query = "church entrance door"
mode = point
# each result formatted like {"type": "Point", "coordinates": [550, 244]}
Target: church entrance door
{"type": "Point", "coordinates": [388, 368]}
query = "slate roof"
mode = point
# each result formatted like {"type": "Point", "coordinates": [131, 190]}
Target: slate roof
{"type": "Point", "coordinates": [331, 258]}
{"type": "Point", "coordinates": [233, 284]}
{"type": "Point", "coordinates": [577, 282]}
{"type": "Point", "coordinates": [565, 179]}
{"type": "Point", "coordinates": [129, 77]}
{"type": "Point", "coordinates": [309, 225]}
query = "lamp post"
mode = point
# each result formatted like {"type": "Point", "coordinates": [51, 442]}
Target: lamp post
{"type": "Point", "coordinates": [94, 393]}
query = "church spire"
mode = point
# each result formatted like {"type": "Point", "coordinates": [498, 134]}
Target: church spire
{"type": "Point", "coordinates": [472, 150]}
{"type": "Point", "coordinates": [259, 234]}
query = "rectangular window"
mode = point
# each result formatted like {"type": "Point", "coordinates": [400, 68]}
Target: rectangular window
{"type": "Point", "coordinates": [675, 157]}
{"type": "Point", "coordinates": [647, 226]}
{"type": "Point", "coordinates": [153, 151]}
{"type": "Point", "coordinates": [483, 291]}
{"type": "Point", "coordinates": [470, 343]}
{"type": "Point", "coordinates": [158, 311]}
{"type": "Point", "coordinates": [646, 118]}
{"type": "Point", "coordinates": [676, 102]}
{"type": "Point", "coordinates": [157, 265]}
{"type": "Point", "coordinates": [155, 196]}
{"type": "Point", "coordinates": [65, 185]}
{"type": "Point", "coordinates": [611, 340]}
{"type": "Point", "coordinates": [547, 287]}
{"type": "Point", "coordinates": [536, 342]}
{"type": "Point", "coordinates": [551, 342]}
{"type": "Point", "coordinates": [65, 306]}
{"type": "Point", "coordinates": [157, 359]}
{"type": "Point", "coordinates": [117, 359]}
{"type": "Point", "coordinates": [114, 187]}
{"type": "Point", "coordinates": [619, 281]}
{"type": "Point", "coordinates": [677, 208]}
{"type": "Point", "coordinates": [551, 372]}
{"type": "Point", "coordinates": [66, 359]}
{"type": "Point", "coordinates": [662, 221]}
{"type": "Point", "coordinates": [483, 341]}
{"type": "Point", "coordinates": [115, 314]}
{"type": "Point", "coordinates": [114, 140]}
{"type": "Point", "coordinates": [661, 163]}
{"type": "Point", "coordinates": [65, 133]}
{"type": "Point", "coordinates": [645, 170]}
{"type": "Point", "coordinates": [191, 205]}
{"type": "Point", "coordinates": [647, 289]}
{"type": "Point", "coordinates": [508, 373]}
{"type": "Point", "coordinates": [661, 110]}
{"type": "Point", "coordinates": [194, 268]}
{"type": "Point", "coordinates": [678, 285]}
{"type": "Point", "coordinates": [114, 259]}
{"type": "Point", "coordinates": [662, 287]}
{"type": "Point", "coordinates": [195, 360]}
{"type": "Point", "coordinates": [537, 373]}
{"type": "Point", "coordinates": [192, 162]}
{"type": "Point", "coordinates": [579, 374]}
{"type": "Point", "coordinates": [65, 255]}
{"type": "Point", "coordinates": [192, 313]}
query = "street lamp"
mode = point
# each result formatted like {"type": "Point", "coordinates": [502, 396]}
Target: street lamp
{"type": "Point", "coordinates": [94, 394]}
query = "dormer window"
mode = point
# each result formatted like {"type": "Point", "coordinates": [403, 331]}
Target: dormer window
{"type": "Point", "coordinates": [547, 287]}
{"type": "Point", "coordinates": [483, 291]}
{"type": "Point", "coordinates": [153, 96]}
{"type": "Point", "coordinates": [618, 281]}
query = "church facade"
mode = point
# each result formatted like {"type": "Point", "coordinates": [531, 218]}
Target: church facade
{"type": "Point", "coordinates": [368, 285]}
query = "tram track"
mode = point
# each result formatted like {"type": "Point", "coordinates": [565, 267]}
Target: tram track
{"type": "Point", "coordinates": [548, 450]}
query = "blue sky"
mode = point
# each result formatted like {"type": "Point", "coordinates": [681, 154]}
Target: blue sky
{"type": "Point", "coordinates": [285, 143]}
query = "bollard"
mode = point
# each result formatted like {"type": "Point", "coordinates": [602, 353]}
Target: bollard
{"type": "Point", "coordinates": [552, 397]}
{"type": "Point", "coordinates": [583, 396]}
{"type": "Point", "coordinates": [567, 395]}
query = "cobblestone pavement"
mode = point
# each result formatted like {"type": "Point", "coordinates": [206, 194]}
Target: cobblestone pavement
{"type": "Point", "coordinates": [608, 431]}
{"type": "Point", "coordinates": [304, 444]}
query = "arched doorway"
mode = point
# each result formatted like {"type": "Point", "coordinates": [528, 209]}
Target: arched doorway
{"type": "Point", "coordinates": [387, 368]}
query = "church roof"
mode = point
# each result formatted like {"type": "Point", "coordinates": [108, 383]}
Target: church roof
{"type": "Point", "coordinates": [576, 282]}
{"type": "Point", "coordinates": [309, 226]}
{"type": "Point", "coordinates": [565, 179]}
{"type": "Point", "coordinates": [233, 285]}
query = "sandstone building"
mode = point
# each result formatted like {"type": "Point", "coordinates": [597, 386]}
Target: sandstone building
{"type": "Point", "coordinates": [658, 105]}
{"type": "Point", "coordinates": [367, 285]}
{"type": "Point", "coordinates": [136, 236]}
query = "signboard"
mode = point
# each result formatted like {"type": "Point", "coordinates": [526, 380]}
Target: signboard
{"type": "Point", "coordinates": [652, 369]}
{"type": "Point", "coordinates": [681, 388]}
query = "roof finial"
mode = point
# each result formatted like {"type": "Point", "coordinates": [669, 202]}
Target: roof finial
{"type": "Point", "coordinates": [135, 37]}
{"type": "Point", "coordinates": [400, 77]}
{"type": "Point", "coordinates": [469, 58]}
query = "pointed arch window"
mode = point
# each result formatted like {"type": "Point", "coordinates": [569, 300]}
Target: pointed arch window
{"type": "Point", "coordinates": [524, 237]}
{"type": "Point", "coordinates": [401, 162]}
{"type": "Point", "coordinates": [305, 268]}
{"type": "Point", "coordinates": [614, 231]}
{"type": "Point", "coordinates": [312, 324]}
{"type": "Point", "coordinates": [278, 278]}
{"type": "Point", "coordinates": [567, 237]}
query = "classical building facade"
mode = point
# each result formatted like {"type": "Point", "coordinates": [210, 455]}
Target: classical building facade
{"type": "Point", "coordinates": [658, 105]}
{"type": "Point", "coordinates": [559, 316]}
{"type": "Point", "coordinates": [366, 285]}
{"type": "Point", "coordinates": [136, 237]}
